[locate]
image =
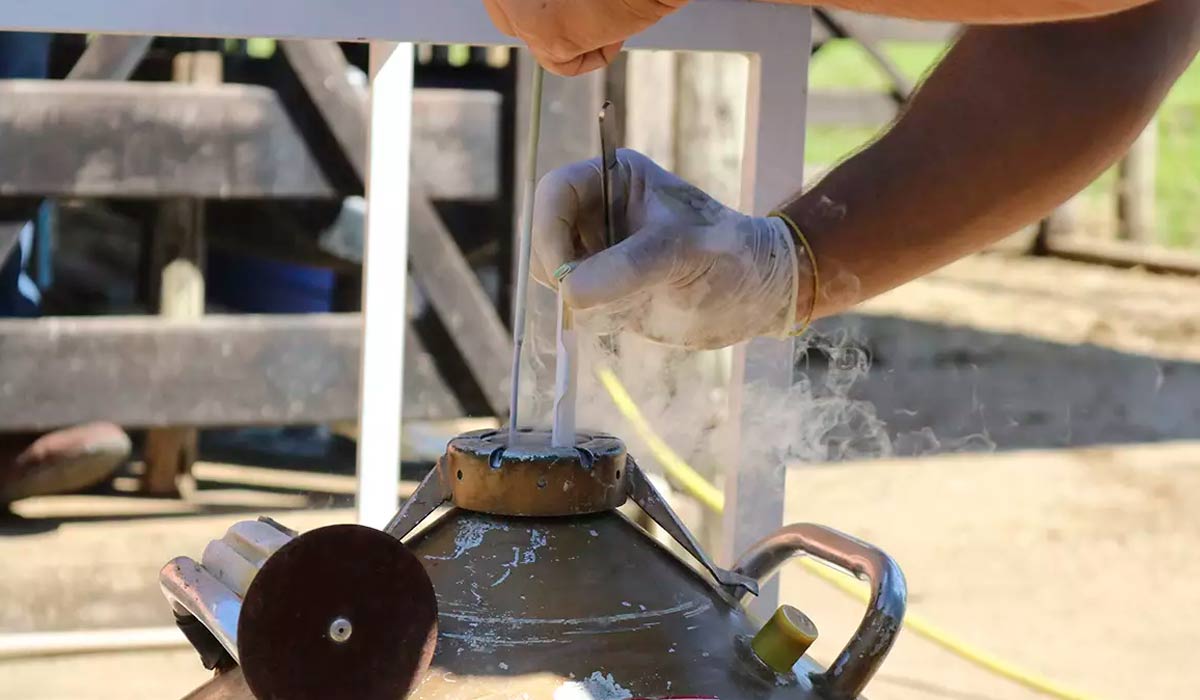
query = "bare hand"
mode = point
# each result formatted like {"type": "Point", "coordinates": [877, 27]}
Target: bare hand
{"type": "Point", "coordinates": [572, 37]}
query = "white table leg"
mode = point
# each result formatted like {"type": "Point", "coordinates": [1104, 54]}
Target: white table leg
{"type": "Point", "coordinates": [385, 270]}
{"type": "Point", "coordinates": [772, 164]}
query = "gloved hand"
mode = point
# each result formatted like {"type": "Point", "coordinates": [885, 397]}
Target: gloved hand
{"type": "Point", "coordinates": [691, 272]}
{"type": "Point", "coordinates": [570, 37]}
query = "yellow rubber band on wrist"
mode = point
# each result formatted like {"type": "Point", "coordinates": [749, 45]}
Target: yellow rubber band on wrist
{"type": "Point", "coordinates": [812, 260]}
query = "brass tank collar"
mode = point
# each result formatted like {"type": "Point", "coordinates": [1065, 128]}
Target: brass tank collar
{"type": "Point", "coordinates": [531, 477]}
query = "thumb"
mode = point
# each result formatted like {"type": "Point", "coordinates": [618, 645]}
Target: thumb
{"type": "Point", "coordinates": [645, 260]}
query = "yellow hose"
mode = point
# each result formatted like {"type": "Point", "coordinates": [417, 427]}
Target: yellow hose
{"type": "Point", "coordinates": [699, 488]}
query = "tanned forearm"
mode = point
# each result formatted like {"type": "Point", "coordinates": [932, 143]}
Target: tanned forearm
{"type": "Point", "coordinates": [1013, 122]}
{"type": "Point", "coordinates": [982, 11]}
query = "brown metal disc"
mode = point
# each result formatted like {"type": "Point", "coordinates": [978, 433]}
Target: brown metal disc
{"type": "Point", "coordinates": [531, 477]}
{"type": "Point", "coordinates": [294, 613]}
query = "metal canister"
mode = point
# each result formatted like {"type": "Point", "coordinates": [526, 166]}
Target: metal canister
{"type": "Point", "coordinates": [545, 592]}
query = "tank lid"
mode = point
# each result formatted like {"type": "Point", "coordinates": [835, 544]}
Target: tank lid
{"type": "Point", "coordinates": [531, 477]}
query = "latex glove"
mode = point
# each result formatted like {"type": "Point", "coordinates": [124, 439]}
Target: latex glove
{"type": "Point", "coordinates": [570, 37]}
{"type": "Point", "coordinates": [692, 272]}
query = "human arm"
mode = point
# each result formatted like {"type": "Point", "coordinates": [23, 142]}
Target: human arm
{"type": "Point", "coordinates": [981, 11]}
{"type": "Point", "coordinates": [571, 37]}
{"type": "Point", "coordinates": [1010, 124]}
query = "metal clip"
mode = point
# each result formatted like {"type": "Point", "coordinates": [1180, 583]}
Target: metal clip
{"type": "Point", "coordinates": [651, 501]}
{"type": "Point", "coordinates": [430, 494]}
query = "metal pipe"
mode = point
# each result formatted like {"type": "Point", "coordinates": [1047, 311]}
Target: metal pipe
{"type": "Point", "coordinates": [26, 645]}
{"type": "Point", "coordinates": [192, 590]}
{"type": "Point", "coordinates": [526, 245]}
{"type": "Point", "coordinates": [853, 668]}
{"type": "Point", "coordinates": [608, 164]}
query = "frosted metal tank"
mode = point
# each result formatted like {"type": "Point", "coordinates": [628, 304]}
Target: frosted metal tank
{"type": "Point", "coordinates": [530, 587]}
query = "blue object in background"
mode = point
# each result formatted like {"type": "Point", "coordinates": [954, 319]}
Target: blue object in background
{"type": "Point", "coordinates": [13, 302]}
{"type": "Point", "coordinates": [257, 285]}
{"type": "Point", "coordinates": [22, 55]}
{"type": "Point", "coordinates": [19, 296]}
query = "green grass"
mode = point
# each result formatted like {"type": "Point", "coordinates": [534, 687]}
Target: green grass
{"type": "Point", "coordinates": [842, 65]}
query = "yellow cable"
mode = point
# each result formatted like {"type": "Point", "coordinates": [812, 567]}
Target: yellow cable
{"type": "Point", "coordinates": [699, 488]}
{"type": "Point", "coordinates": [695, 484]}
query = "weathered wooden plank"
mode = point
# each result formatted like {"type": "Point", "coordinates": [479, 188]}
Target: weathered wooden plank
{"type": "Point", "coordinates": [178, 266]}
{"type": "Point", "coordinates": [221, 370]}
{"type": "Point", "coordinates": [460, 302]}
{"type": "Point", "coordinates": [1123, 254]}
{"type": "Point", "coordinates": [110, 57]}
{"type": "Point", "coordinates": [437, 263]}
{"type": "Point", "coordinates": [650, 99]}
{"type": "Point", "coordinates": [456, 142]}
{"type": "Point", "coordinates": [710, 122]}
{"type": "Point", "coordinates": [151, 140]}
{"type": "Point", "coordinates": [850, 108]}
{"type": "Point", "coordinates": [321, 67]}
{"type": "Point", "coordinates": [57, 138]}
{"type": "Point", "coordinates": [426, 395]}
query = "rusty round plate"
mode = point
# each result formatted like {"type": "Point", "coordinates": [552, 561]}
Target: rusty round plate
{"type": "Point", "coordinates": [344, 611]}
{"type": "Point", "coordinates": [486, 474]}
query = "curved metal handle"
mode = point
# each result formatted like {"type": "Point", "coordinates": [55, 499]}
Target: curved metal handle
{"type": "Point", "coordinates": [193, 592]}
{"type": "Point", "coordinates": [864, 653]}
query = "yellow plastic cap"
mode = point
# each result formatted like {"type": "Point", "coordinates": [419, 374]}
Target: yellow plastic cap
{"type": "Point", "coordinates": [784, 639]}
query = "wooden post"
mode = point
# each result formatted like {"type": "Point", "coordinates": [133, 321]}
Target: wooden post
{"type": "Point", "coordinates": [179, 280]}
{"type": "Point", "coordinates": [1136, 179]}
{"type": "Point", "coordinates": [1061, 223]}
{"type": "Point", "coordinates": [710, 122]}
{"type": "Point", "coordinates": [650, 89]}
{"type": "Point", "coordinates": [110, 57]}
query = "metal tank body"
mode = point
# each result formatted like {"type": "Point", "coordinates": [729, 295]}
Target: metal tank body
{"type": "Point", "coordinates": [579, 608]}
{"type": "Point", "coordinates": [545, 592]}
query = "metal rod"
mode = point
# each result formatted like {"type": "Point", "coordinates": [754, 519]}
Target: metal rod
{"type": "Point", "coordinates": [608, 163]}
{"type": "Point", "coordinates": [520, 301]}
{"type": "Point", "coordinates": [22, 645]}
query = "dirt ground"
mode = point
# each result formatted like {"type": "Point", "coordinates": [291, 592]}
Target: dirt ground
{"type": "Point", "coordinates": [1077, 563]}
{"type": "Point", "coordinates": [1130, 311]}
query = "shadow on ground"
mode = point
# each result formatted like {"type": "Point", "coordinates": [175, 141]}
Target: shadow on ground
{"type": "Point", "coordinates": [942, 388]}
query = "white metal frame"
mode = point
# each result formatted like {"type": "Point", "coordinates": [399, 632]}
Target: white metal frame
{"type": "Point", "coordinates": [775, 37]}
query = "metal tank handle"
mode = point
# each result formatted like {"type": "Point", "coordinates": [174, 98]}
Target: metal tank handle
{"type": "Point", "coordinates": [854, 667]}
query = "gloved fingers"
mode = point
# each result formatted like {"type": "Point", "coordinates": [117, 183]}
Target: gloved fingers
{"type": "Point", "coordinates": [568, 218]}
{"type": "Point", "coordinates": [647, 259]}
